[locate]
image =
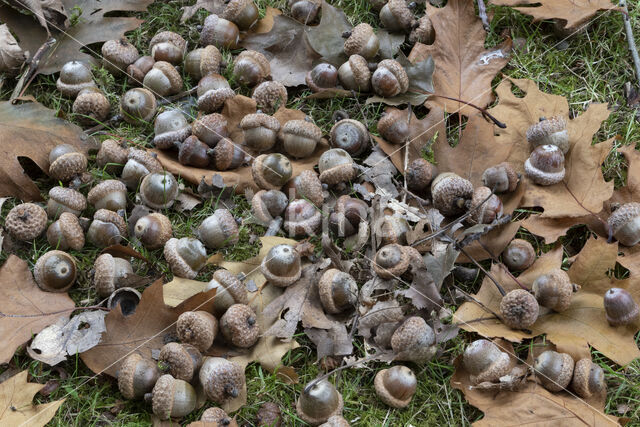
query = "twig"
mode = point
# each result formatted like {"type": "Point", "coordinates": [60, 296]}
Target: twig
{"type": "Point", "coordinates": [490, 227]}
{"type": "Point", "coordinates": [501, 265]}
{"type": "Point", "coordinates": [493, 279]}
{"type": "Point", "coordinates": [406, 154]}
{"type": "Point", "coordinates": [482, 11]}
{"type": "Point", "coordinates": [602, 221]}
{"type": "Point", "coordinates": [631, 39]}
{"type": "Point", "coordinates": [31, 72]}
{"type": "Point", "coordinates": [477, 301]}
{"type": "Point", "coordinates": [483, 111]}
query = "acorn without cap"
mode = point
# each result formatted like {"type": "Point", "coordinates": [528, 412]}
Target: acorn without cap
{"type": "Point", "coordinates": [185, 256]}
{"type": "Point", "coordinates": [240, 326]}
{"type": "Point", "coordinates": [221, 379]}
{"type": "Point", "coordinates": [55, 271]}
{"type": "Point", "coordinates": [26, 221]}
{"type": "Point", "coordinates": [153, 230]}
{"type": "Point", "coordinates": [485, 361]}
{"type": "Point", "coordinates": [624, 223]}
{"type": "Point", "coordinates": [62, 199]}
{"type": "Point", "coordinates": [198, 328]}
{"type": "Point", "coordinates": [414, 341]}
{"type": "Point", "coordinates": [304, 11]}
{"type": "Point", "coordinates": [159, 190]}
{"type": "Point", "coordinates": [519, 255]}
{"type": "Point", "coordinates": [396, 386]}
{"type": "Point", "coordinates": [138, 104]}
{"type": "Point", "coordinates": [66, 233]}
{"type": "Point", "coordinates": [194, 152]}
{"type": "Point", "coordinates": [451, 193]}
{"type": "Point", "coordinates": [519, 309]}
{"type": "Point", "coordinates": [319, 402]}
{"type": "Point", "coordinates": [270, 96]}
{"type": "Point", "coordinates": [281, 267]}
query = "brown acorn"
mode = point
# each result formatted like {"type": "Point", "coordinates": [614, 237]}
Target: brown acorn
{"type": "Point", "coordinates": [393, 126]}
{"type": "Point", "coordinates": [419, 175]}
{"type": "Point", "coordinates": [268, 205]}
{"type": "Point", "coordinates": [153, 230]}
{"type": "Point", "coordinates": [519, 255]}
{"type": "Point", "coordinates": [588, 379]}
{"type": "Point", "coordinates": [451, 193]}
{"type": "Point", "coordinates": [554, 370]}
{"type": "Point", "coordinates": [217, 417]}
{"type": "Point", "coordinates": [414, 341]}
{"type": "Point", "coordinates": [501, 178]}
{"type": "Point", "coordinates": [423, 32]}
{"type": "Point", "coordinates": [91, 106]}
{"type": "Point", "coordinates": [336, 166]}
{"type": "Point", "coordinates": [213, 90]}
{"type": "Point", "coordinates": [554, 290]}
{"type": "Point", "coordinates": [355, 74]}
{"type": "Point", "coordinates": [390, 78]}
{"type": "Point", "coordinates": [338, 291]}
{"type": "Point", "coordinates": [74, 76]}
{"type": "Point", "coordinates": [62, 199]}
{"type": "Point", "coordinates": [484, 212]}
{"type": "Point", "coordinates": [168, 46]}
{"type": "Point", "coordinates": [396, 386]}
{"type": "Point", "coordinates": [624, 223]}
{"type": "Point", "coordinates": [139, 69]}
{"type": "Point", "coordinates": [240, 326]}
{"type": "Point", "coordinates": [110, 274]}
{"type": "Point", "coordinates": [271, 171]}
{"type": "Point", "coordinates": [55, 271]}
{"type": "Point", "coordinates": [251, 67]}
{"type": "Point", "coordinates": [243, 13]}
{"type": "Point", "coordinates": [218, 230]}
{"type": "Point", "coordinates": [194, 152]}
{"type": "Point", "coordinates": [171, 128]}
{"type": "Point", "coordinates": [65, 163]}
{"type": "Point", "coordinates": [138, 104]}
{"type": "Point", "coordinates": [172, 397]}
{"type": "Point", "coordinates": [202, 61]}
{"type": "Point", "coordinates": [107, 228]}
{"type": "Point", "coordinates": [140, 163]}
{"type": "Point", "coordinates": [117, 55]}
{"type": "Point", "coordinates": [270, 96]}
{"type": "Point", "coordinates": [230, 291]}
{"type": "Point", "coordinates": [260, 131]}
{"type": "Point", "coordinates": [158, 190]}
{"type": "Point", "coordinates": [221, 379]}
{"type": "Point", "coordinates": [163, 79]}
{"type": "Point", "coordinates": [545, 166]}
{"type": "Point", "coordinates": [137, 376]}
{"type": "Point", "coordinates": [182, 361]}
{"type": "Point", "coordinates": [304, 11]}
{"type": "Point", "coordinates": [281, 267]}
{"type": "Point", "coordinates": [306, 186]}
{"type": "Point", "coordinates": [620, 308]}
{"type": "Point", "coordinates": [198, 328]}
{"type": "Point", "coordinates": [26, 221]}
{"type": "Point", "coordinates": [362, 40]}
{"type": "Point", "coordinates": [185, 256]}
{"type": "Point", "coordinates": [319, 402]}
{"type": "Point", "coordinates": [322, 76]}
{"type": "Point", "coordinates": [551, 131]}
{"type": "Point", "coordinates": [300, 138]}
{"type": "Point", "coordinates": [485, 361]}
{"type": "Point", "coordinates": [110, 194]}
{"type": "Point", "coordinates": [519, 309]}
{"type": "Point", "coordinates": [391, 261]}
{"type": "Point", "coordinates": [219, 32]}
{"type": "Point", "coordinates": [350, 135]}
{"type": "Point", "coordinates": [66, 233]}
{"type": "Point", "coordinates": [210, 128]}
{"type": "Point", "coordinates": [396, 16]}
{"type": "Point", "coordinates": [228, 155]}
{"type": "Point", "coordinates": [112, 156]}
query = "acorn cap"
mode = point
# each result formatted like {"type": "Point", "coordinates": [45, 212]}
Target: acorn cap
{"type": "Point", "coordinates": [360, 70]}
{"type": "Point", "coordinates": [413, 340]}
{"type": "Point", "coordinates": [178, 360]}
{"type": "Point", "coordinates": [118, 54]}
{"type": "Point", "coordinates": [307, 185]}
{"type": "Point", "coordinates": [67, 166]}
{"type": "Point", "coordinates": [112, 217]}
{"type": "Point", "coordinates": [359, 37]}
{"type": "Point", "coordinates": [170, 37]}
{"type": "Point", "coordinates": [401, 12]}
{"type": "Point", "coordinates": [545, 165]}
{"type": "Point", "coordinates": [145, 158]}
{"type": "Point", "coordinates": [281, 267]}
{"type": "Point", "coordinates": [108, 271]}
{"type": "Point", "coordinates": [111, 151]}
{"type": "Point", "coordinates": [338, 290]}
{"type": "Point", "coordinates": [222, 379]}
{"type": "Point", "coordinates": [519, 309]}
{"type": "Point", "coordinates": [26, 221]}
{"type": "Point", "coordinates": [91, 105]}
{"type": "Point", "coordinates": [391, 261]}
{"type": "Point", "coordinates": [336, 166]}
{"type": "Point", "coordinates": [625, 215]}
{"type": "Point", "coordinates": [450, 192]}
{"type": "Point", "coordinates": [69, 197]}
{"type": "Point", "coordinates": [303, 129]}
{"type": "Point", "coordinates": [239, 326]}
{"type": "Point", "coordinates": [103, 189]}
{"type": "Point", "coordinates": [397, 70]}
{"type": "Point", "coordinates": [270, 94]}
{"type": "Point", "coordinates": [69, 228]}
{"type": "Point", "coordinates": [551, 131]}
{"type": "Point", "coordinates": [225, 154]}
{"type": "Point", "coordinates": [260, 120]}
{"type": "Point", "coordinates": [153, 230]}
{"type": "Point", "coordinates": [336, 421]}
{"type": "Point", "coordinates": [198, 328]}
{"type": "Point", "coordinates": [218, 417]}
{"type": "Point", "coordinates": [383, 392]}
{"type": "Point", "coordinates": [232, 285]}
{"type": "Point", "coordinates": [170, 126]}
{"type": "Point", "coordinates": [588, 378]}
{"type": "Point", "coordinates": [127, 373]}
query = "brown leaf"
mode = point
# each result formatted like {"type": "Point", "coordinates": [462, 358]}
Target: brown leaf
{"type": "Point", "coordinates": [16, 403]}
{"type": "Point", "coordinates": [45, 11]}
{"type": "Point", "coordinates": [212, 6]}
{"type": "Point", "coordinates": [326, 37]}
{"type": "Point", "coordinates": [24, 309]}
{"type": "Point", "coordinates": [33, 131]}
{"type": "Point", "coordinates": [11, 55]}
{"type": "Point", "coordinates": [334, 341]}
{"type": "Point", "coordinates": [265, 24]}
{"type": "Point", "coordinates": [93, 26]}
{"type": "Point", "coordinates": [125, 252]}
{"type": "Point", "coordinates": [145, 330]}
{"type": "Point", "coordinates": [464, 67]}
{"type": "Point", "coordinates": [574, 12]}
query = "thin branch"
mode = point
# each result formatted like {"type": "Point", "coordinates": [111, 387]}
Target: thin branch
{"type": "Point", "coordinates": [93, 307]}
{"type": "Point", "coordinates": [604, 223]}
{"type": "Point", "coordinates": [630, 39]}
{"type": "Point", "coordinates": [490, 227]}
{"type": "Point", "coordinates": [483, 111]}
{"type": "Point", "coordinates": [32, 71]}
{"type": "Point", "coordinates": [477, 301]}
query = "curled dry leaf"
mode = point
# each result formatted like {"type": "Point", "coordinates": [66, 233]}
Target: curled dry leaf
{"type": "Point", "coordinates": [25, 309]}
{"type": "Point", "coordinates": [11, 54]}
{"type": "Point", "coordinates": [16, 403]}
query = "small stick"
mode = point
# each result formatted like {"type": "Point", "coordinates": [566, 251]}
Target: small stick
{"type": "Point", "coordinates": [630, 38]}
{"type": "Point", "coordinates": [482, 11]}
{"type": "Point", "coordinates": [480, 303]}
{"type": "Point", "coordinates": [490, 227]}
{"type": "Point", "coordinates": [602, 221]}
{"type": "Point", "coordinates": [493, 279]}
{"type": "Point", "coordinates": [93, 307]}
{"type": "Point", "coordinates": [31, 72]}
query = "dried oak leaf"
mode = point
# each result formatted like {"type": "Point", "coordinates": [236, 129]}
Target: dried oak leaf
{"type": "Point", "coordinates": [287, 49]}
{"type": "Point", "coordinates": [326, 38]}
{"type": "Point", "coordinates": [334, 341]}
{"type": "Point", "coordinates": [32, 130]}
{"type": "Point", "coordinates": [582, 324]}
{"type": "Point", "coordinates": [24, 309]}
{"type": "Point", "coordinates": [51, 14]}
{"type": "Point", "coordinates": [212, 6]}
{"type": "Point", "coordinates": [16, 403]}
{"type": "Point", "coordinates": [574, 12]}
{"type": "Point", "coordinates": [93, 26]}
{"type": "Point", "coordinates": [465, 68]}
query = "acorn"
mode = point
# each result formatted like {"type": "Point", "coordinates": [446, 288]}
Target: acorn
{"type": "Point", "coordinates": [239, 326]}
{"type": "Point", "coordinates": [194, 152]}
{"type": "Point", "coordinates": [554, 370]}
{"type": "Point", "coordinates": [112, 156]}
{"type": "Point", "coordinates": [74, 76]}
{"type": "Point", "coordinates": [110, 273]}
{"type": "Point", "coordinates": [210, 128]}
{"type": "Point", "coordinates": [338, 291]}
{"type": "Point", "coordinates": [355, 74]}
{"type": "Point", "coordinates": [138, 104]}
{"type": "Point", "coordinates": [281, 267]}
{"type": "Point", "coordinates": [110, 194]}
{"type": "Point", "coordinates": [182, 361]}
{"type": "Point", "coordinates": [519, 255]}
{"type": "Point", "coordinates": [390, 78]}
{"type": "Point", "coordinates": [501, 178]}
{"type": "Point", "coordinates": [414, 341]}
{"type": "Point", "coordinates": [222, 379]}
{"type": "Point", "coordinates": [55, 271]}
{"type": "Point", "coordinates": [168, 46]}
{"type": "Point", "coordinates": [393, 126]}
{"type": "Point", "coordinates": [484, 212]}
{"type": "Point", "coordinates": [163, 79]}
{"type": "Point", "coordinates": [140, 163]}
{"type": "Point", "coordinates": [243, 13]}
{"type": "Point", "coordinates": [396, 386]}
{"type": "Point", "coordinates": [26, 221]}
{"type": "Point", "coordinates": [159, 190]}
{"type": "Point", "coordinates": [588, 379]}
{"type": "Point", "coordinates": [620, 308]}
{"type": "Point", "coordinates": [350, 135]}
{"type": "Point", "coordinates": [251, 67]}
{"type": "Point", "coordinates": [217, 417]}
{"type": "Point", "coordinates": [197, 328]}
{"type": "Point", "coordinates": [302, 218]}
{"type": "Point", "coordinates": [91, 106]}
{"type": "Point", "coordinates": [139, 69]}
{"type": "Point", "coordinates": [554, 290]}
{"type": "Point", "coordinates": [519, 309]}
{"type": "Point", "coordinates": [396, 16]}
{"type": "Point", "coordinates": [202, 61]}
{"type": "Point", "coordinates": [545, 166]}
{"type": "Point", "coordinates": [270, 96]}
{"type": "Point", "coordinates": [551, 131]}
{"type": "Point", "coordinates": [66, 233]}
{"type": "Point", "coordinates": [230, 291]}
{"type": "Point", "coordinates": [228, 155]}
{"type": "Point", "coordinates": [63, 199]}
{"type": "Point", "coordinates": [213, 91]}
{"type": "Point", "coordinates": [624, 224]}
{"type": "Point", "coordinates": [65, 163]}
{"type": "Point", "coordinates": [269, 415]}
{"type": "Point", "coordinates": [218, 230]}
{"type": "Point", "coordinates": [419, 175]}
{"type": "Point", "coordinates": [451, 193]}
{"type": "Point", "coordinates": [423, 32]}
{"type": "Point", "coordinates": [271, 171]}
{"type": "Point", "coordinates": [260, 131]}
{"type": "Point", "coordinates": [319, 402]}
{"type": "Point", "coordinates": [219, 32]}
{"type": "Point", "coordinates": [117, 55]}
{"type": "Point", "coordinates": [300, 138]}
{"type": "Point", "coordinates": [137, 376]}
{"type": "Point", "coordinates": [304, 11]}
{"type": "Point", "coordinates": [336, 166]}
{"type": "Point", "coordinates": [322, 76]}
{"type": "Point", "coordinates": [362, 41]}
{"type": "Point", "coordinates": [171, 128]}
{"type": "Point", "coordinates": [173, 398]}
{"type": "Point", "coordinates": [186, 256]}
{"type": "Point", "coordinates": [485, 362]}
{"type": "Point", "coordinates": [153, 230]}
{"type": "Point", "coordinates": [107, 228]}
{"type": "Point", "coordinates": [306, 186]}
{"type": "Point", "coordinates": [268, 205]}
{"type": "Point", "coordinates": [347, 215]}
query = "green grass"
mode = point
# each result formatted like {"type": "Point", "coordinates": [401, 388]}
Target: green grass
{"type": "Point", "coordinates": [593, 67]}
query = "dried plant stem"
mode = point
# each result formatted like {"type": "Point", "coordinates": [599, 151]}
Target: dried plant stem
{"type": "Point", "coordinates": [482, 12]}
{"type": "Point", "coordinates": [501, 265]}
{"type": "Point", "coordinates": [483, 111]}
{"type": "Point", "coordinates": [32, 71]}
{"type": "Point", "coordinates": [489, 275]}
{"type": "Point", "coordinates": [602, 221]}
{"type": "Point", "coordinates": [631, 39]}
{"type": "Point", "coordinates": [477, 301]}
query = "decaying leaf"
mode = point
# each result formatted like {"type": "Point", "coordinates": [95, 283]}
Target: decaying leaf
{"type": "Point", "coordinates": [33, 131]}
{"type": "Point", "coordinates": [51, 14]}
{"type": "Point", "coordinates": [464, 68]}
{"type": "Point", "coordinates": [16, 403]}
{"type": "Point", "coordinates": [95, 24]}
{"type": "Point", "coordinates": [389, 43]}
{"type": "Point", "coordinates": [326, 38]}
{"type": "Point", "coordinates": [11, 54]}
{"type": "Point", "coordinates": [334, 341]}
{"type": "Point", "coordinates": [24, 309]}
{"type": "Point", "coordinates": [212, 6]}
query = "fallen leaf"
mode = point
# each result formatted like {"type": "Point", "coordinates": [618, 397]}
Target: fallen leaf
{"type": "Point", "coordinates": [464, 68]}
{"type": "Point", "coordinates": [11, 54]}
{"type": "Point", "coordinates": [265, 24]}
{"type": "Point", "coordinates": [390, 43]}
{"type": "Point", "coordinates": [326, 38]}
{"type": "Point", "coordinates": [16, 403]}
{"type": "Point", "coordinates": [33, 131]}
{"type": "Point", "coordinates": [24, 309]}
{"type": "Point", "coordinates": [46, 12]}
{"type": "Point", "coordinates": [211, 6]}
{"type": "Point", "coordinates": [334, 341]}
{"type": "Point", "coordinates": [94, 25]}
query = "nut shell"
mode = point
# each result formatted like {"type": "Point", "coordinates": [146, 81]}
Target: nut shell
{"type": "Point", "coordinates": [588, 379]}
{"type": "Point", "coordinates": [485, 361]}
{"type": "Point", "coordinates": [554, 370]}
{"type": "Point", "coordinates": [66, 233]}
{"type": "Point", "coordinates": [519, 255]}
{"type": "Point", "coordinates": [110, 194]}
{"type": "Point", "coordinates": [55, 271]}
{"type": "Point", "coordinates": [240, 326]}
{"type": "Point", "coordinates": [153, 230]}
{"type": "Point", "coordinates": [26, 221]}
{"type": "Point", "coordinates": [91, 106]}
{"type": "Point", "coordinates": [281, 267]}
{"type": "Point", "coordinates": [396, 386]}
{"type": "Point", "coordinates": [362, 41]}
{"type": "Point", "coordinates": [519, 309]}
{"type": "Point", "coordinates": [137, 376]}
{"type": "Point", "coordinates": [545, 166]}
{"type": "Point", "coordinates": [319, 403]}
{"type": "Point", "coordinates": [270, 96]}
{"type": "Point", "coordinates": [625, 224]}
